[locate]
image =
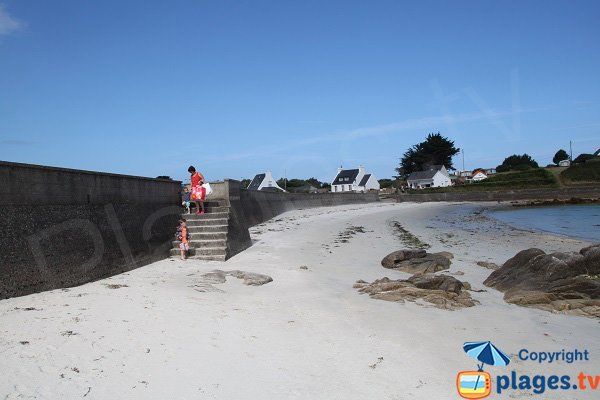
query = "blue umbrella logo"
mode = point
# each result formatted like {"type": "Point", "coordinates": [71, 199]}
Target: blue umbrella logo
{"type": "Point", "coordinates": [487, 353]}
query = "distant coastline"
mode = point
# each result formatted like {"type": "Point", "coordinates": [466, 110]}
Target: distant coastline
{"type": "Point", "coordinates": [578, 194]}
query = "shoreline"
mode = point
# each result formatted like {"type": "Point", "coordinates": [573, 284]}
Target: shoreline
{"type": "Point", "coordinates": [488, 209]}
{"type": "Point", "coordinates": [164, 330]}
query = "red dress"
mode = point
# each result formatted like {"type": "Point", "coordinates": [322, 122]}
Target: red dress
{"type": "Point", "coordinates": [198, 192]}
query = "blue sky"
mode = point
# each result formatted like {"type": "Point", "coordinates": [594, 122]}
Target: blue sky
{"type": "Point", "coordinates": [148, 87]}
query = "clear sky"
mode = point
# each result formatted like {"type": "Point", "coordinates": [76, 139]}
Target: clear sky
{"type": "Point", "coordinates": [148, 87]}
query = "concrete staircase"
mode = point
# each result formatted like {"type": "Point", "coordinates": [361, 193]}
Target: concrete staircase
{"type": "Point", "coordinates": [208, 233]}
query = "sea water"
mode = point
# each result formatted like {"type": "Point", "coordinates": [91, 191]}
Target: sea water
{"type": "Point", "coordinates": [577, 221]}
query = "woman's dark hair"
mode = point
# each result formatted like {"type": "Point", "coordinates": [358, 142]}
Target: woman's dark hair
{"type": "Point", "coordinates": [191, 169]}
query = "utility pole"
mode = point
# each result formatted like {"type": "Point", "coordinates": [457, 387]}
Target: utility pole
{"type": "Point", "coordinates": [571, 149]}
{"type": "Point", "coordinates": [463, 156]}
{"type": "Point", "coordinates": [285, 179]}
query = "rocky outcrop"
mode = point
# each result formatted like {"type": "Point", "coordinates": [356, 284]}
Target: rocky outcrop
{"type": "Point", "coordinates": [417, 261]}
{"type": "Point", "coordinates": [443, 291]}
{"type": "Point", "coordinates": [488, 265]}
{"type": "Point", "coordinates": [209, 279]}
{"type": "Point", "coordinates": [251, 278]}
{"type": "Point", "coordinates": [559, 282]}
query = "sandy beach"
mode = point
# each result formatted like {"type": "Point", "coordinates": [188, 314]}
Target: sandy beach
{"type": "Point", "coordinates": [164, 331]}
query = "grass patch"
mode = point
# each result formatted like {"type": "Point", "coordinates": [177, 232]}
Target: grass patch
{"type": "Point", "coordinates": [531, 178]}
{"type": "Point", "coordinates": [580, 173]}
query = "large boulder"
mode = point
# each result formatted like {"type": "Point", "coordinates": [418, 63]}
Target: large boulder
{"type": "Point", "coordinates": [442, 291]}
{"type": "Point", "coordinates": [436, 282]}
{"type": "Point", "coordinates": [560, 282]}
{"type": "Point", "coordinates": [417, 261]}
{"type": "Point", "coordinates": [392, 259]}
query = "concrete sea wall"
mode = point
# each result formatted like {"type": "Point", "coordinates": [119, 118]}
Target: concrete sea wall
{"type": "Point", "coordinates": [260, 206]}
{"type": "Point", "coordinates": [249, 207]}
{"type": "Point", "coordinates": [62, 227]}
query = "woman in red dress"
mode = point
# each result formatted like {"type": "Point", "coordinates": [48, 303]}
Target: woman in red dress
{"type": "Point", "coordinates": [198, 192]}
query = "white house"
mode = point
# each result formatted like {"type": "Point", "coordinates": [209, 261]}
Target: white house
{"type": "Point", "coordinates": [354, 180]}
{"type": "Point", "coordinates": [479, 175]}
{"type": "Point", "coordinates": [465, 174]}
{"type": "Point", "coordinates": [434, 176]}
{"type": "Point", "coordinates": [264, 182]}
{"type": "Point", "coordinates": [564, 163]}
{"type": "Point", "coordinates": [368, 182]}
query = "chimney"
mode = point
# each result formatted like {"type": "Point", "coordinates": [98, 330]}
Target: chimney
{"type": "Point", "coordinates": [361, 170]}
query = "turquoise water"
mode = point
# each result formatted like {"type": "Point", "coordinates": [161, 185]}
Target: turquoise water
{"type": "Point", "coordinates": [578, 221]}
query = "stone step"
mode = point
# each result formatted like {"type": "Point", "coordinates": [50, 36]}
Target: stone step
{"type": "Point", "coordinates": [211, 210]}
{"type": "Point", "coordinates": [210, 243]}
{"type": "Point", "coordinates": [207, 210]}
{"type": "Point", "coordinates": [208, 229]}
{"type": "Point", "coordinates": [204, 251]}
{"type": "Point", "coordinates": [197, 244]}
{"type": "Point", "coordinates": [210, 221]}
{"type": "Point", "coordinates": [210, 258]}
{"type": "Point", "coordinates": [198, 217]}
{"type": "Point", "coordinates": [202, 258]}
{"type": "Point", "coordinates": [208, 235]}
{"type": "Point", "coordinates": [208, 232]}
{"type": "Point", "coordinates": [215, 203]}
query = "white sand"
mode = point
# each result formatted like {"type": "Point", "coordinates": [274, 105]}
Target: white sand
{"type": "Point", "coordinates": [306, 335]}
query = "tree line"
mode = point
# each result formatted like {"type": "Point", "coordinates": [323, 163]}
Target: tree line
{"type": "Point", "coordinates": [435, 150]}
{"type": "Point", "coordinates": [439, 150]}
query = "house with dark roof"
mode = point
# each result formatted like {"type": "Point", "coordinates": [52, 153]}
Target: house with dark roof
{"type": "Point", "coordinates": [265, 182]}
{"type": "Point", "coordinates": [354, 180]}
{"type": "Point", "coordinates": [434, 176]}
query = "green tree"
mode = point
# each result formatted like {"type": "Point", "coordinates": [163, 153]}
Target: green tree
{"type": "Point", "coordinates": [291, 183]}
{"type": "Point", "coordinates": [560, 156]}
{"type": "Point", "coordinates": [517, 163]}
{"type": "Point", "coordinates": [244, 183]}
{"type": "Point", "coordinates": [435, 150]}
{"type": "Point", "coordinates": [385, 183]}
{"type": "Point", "coordinates": [296, 183]}
{"type": "Point", "coordinates": [314, 182]}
